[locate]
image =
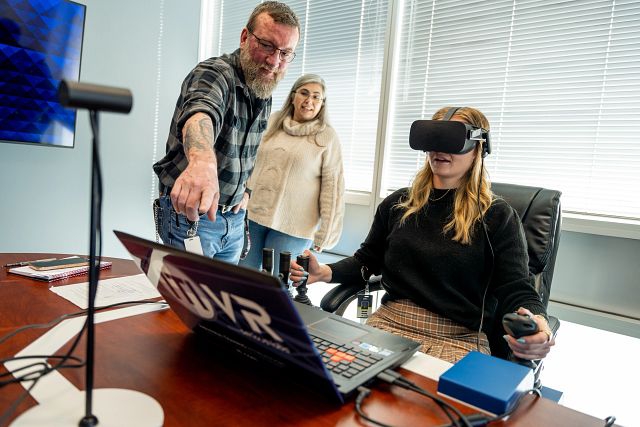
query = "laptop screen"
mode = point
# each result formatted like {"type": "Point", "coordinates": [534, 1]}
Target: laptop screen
{"type": "Point", "coordinates": [244, 307]}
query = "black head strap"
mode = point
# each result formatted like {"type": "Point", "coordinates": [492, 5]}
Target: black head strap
{"type": "Point", "coordinates": [450, 112]}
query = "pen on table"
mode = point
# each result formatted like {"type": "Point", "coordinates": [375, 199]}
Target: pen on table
{"type": "Point", "coordinates": [23, 263]}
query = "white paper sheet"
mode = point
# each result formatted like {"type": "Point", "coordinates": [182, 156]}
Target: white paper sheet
{"type": "Point", "coordinates": [110, 291]}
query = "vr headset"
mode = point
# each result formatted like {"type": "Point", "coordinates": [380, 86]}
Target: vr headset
{"type": "Point", "coordinates": [448, 136]}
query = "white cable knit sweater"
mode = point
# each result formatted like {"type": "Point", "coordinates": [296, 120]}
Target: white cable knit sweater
{"type": "Point", "coordinates": [297, 185]}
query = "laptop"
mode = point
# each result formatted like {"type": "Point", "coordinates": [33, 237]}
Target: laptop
{"type": "Point", "coordinates": [250, 312]}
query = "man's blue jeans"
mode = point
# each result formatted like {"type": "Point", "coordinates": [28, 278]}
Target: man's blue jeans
{"type": "Point", "coordinates": [222, 239]}
{"type": "Point", "coordinates": [265, 237]}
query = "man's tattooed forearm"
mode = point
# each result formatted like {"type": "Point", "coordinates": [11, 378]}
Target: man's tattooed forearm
{"type": "Point", "coordinates": [199, 134]}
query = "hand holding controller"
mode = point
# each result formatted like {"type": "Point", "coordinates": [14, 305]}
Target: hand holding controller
{"type": "Point", "coordinates": [518, 325]}
{"type": "Point", "coordinates": [302, 261]}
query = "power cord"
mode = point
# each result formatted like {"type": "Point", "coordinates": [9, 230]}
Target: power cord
{"type": "Point", "coordinates": [44, 368]}
{"type": "Point", "coordinates": [515, 405]}
{"type": "Point", "coordinates": [32, 375]}
{"type": "Point", "coordinates": [455, 416]}
{"type": "Point", "coordinates": [493, 257]}
{"type": "Point", "coordinates": [363, 393]}
{"type": "Point", "coordinates": [395, 378]}
{"type": "Point", "coordinates": [4, 417]}
{"type": "Point", "coordinates": [71, 315]}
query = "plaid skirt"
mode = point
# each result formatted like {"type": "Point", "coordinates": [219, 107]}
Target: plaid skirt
{"type": "Point", "coordinates": [440, 337]}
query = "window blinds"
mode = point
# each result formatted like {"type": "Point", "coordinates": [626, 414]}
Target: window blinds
{"type": "Point", "coordinates": [343, 42]}
{"type": "Point", "coordinates": [558, 80]}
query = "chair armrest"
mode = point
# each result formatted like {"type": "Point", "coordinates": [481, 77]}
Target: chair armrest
{"type": "Point", "coordinates": [333, 299]}
{"type": "Point", "coordinates": [338, 298]}
{"type": "Point", "coordinates": [554, 325]}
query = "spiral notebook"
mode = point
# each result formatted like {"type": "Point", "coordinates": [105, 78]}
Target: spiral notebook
{"type": "Point", "coordinates": [57, 274]}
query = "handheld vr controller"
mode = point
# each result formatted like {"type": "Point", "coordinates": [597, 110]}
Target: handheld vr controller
{"type": "Point", "coordinates": [518, 325]}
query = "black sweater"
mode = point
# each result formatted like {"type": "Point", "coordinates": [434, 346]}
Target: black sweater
{"type": "Point", "coordinates": [420, 263]}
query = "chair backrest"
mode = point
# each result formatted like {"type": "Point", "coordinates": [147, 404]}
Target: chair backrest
{"type": "Point", "coordinates": [540, 213]}
{"type": "Point", "coordinates": [539, 210]}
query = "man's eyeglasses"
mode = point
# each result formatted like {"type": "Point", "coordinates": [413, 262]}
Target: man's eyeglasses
{"type": "Point", "coordinates": [315, 98]}
{"type": "Point", "coordinates": [269, 49]}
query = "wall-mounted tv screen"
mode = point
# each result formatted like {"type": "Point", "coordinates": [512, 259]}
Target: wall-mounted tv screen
{"type": "Point", "coordinates": [40, 44]}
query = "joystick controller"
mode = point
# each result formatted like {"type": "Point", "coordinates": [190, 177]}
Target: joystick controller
{"type": "Point", "coordinates": [267, 260]}
{"type": "Point", "coordinates": [301, 297]}
{"type": "Point", "coordinates": [283, 271]}
{"type": "Point", "coordinates": [518, 325]}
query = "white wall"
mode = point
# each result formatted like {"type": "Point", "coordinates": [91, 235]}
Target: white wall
{"type": "Point", "coordinates": [148, 47]}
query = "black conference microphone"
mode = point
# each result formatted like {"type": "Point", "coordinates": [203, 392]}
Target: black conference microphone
{"type": "Point", "coordinates": [283, 270]}
{"type": "Point", "coordinates": [95, 97]}
{"type": "Point", "coordinates": [267, 260]}
{"type": "Point", "coordinates": [301, 297]}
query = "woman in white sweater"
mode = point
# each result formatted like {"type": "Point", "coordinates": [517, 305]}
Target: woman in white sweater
{"type": "Point", "coordinates": [297, 185]}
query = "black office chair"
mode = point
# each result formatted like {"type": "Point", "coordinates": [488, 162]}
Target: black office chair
{"type": "Point", "coordinates": [539, 210]}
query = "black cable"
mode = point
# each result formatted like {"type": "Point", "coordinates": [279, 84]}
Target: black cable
{"type": "Point", "coordinates": [486, 234]}
{"type": "Point", "coordinates": [469, 421]}
{"type": "Point", "coordinates": [609, 421]}
{"type": "Point", "coordinates": [395, 378]}
{"type": "Point", "coordinates": [364, 392]}
{"type": "Point", "coordinates": [5, 416]}
{"type": "Point", "coordinates": [449, 410]}
{"type": "Point", "coordinates": [33, 356]}
{"type": "Point", "coordinates": [515, 405]}
{"type": "Point", "coordinates": [71, 315]}
{"type": "Point", "coordinates": [46, 368]}
{"type": "Point", "coordinates": [63, 358]}
{"type": "Point", "coordinates": [62, 361]}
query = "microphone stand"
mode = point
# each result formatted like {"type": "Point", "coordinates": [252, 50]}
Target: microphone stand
{"type": "Point", "coordinates": [90, 420]}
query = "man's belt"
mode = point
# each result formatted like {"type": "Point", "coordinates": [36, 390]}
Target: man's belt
{"type": "Point", "coordinates": [222, 208]}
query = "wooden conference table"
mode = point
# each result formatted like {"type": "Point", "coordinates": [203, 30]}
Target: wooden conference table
{"type": "Point", "coordinates": [197, 384]}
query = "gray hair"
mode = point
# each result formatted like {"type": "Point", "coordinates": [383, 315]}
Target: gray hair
{"type": "Point", "coordinates": [288, 108]}
{"type": "Point", "coordinates": [279, 12]}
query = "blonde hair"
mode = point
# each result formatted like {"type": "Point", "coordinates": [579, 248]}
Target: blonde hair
{"type": "Point", "coordinates": [465, 210]}
{"type": "Point", "coordinates": [287, 109]}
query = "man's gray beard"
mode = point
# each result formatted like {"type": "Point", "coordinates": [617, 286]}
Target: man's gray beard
{"type": "Point", "coordinates": [262, 88]}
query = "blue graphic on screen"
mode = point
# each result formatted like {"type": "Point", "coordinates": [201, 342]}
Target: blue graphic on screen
{"type": "Point", "coordinates": [40, 44]}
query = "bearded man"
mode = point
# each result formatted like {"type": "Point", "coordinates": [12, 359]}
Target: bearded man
{"type": "Point", "coordinates": [215, 131]}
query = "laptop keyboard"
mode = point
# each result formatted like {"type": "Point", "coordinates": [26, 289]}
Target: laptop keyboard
{"type": "Point", "coordinates": [344, 360]}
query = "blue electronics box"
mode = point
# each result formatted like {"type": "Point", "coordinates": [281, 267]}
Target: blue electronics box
{"type": "Point", "coordinates": [485, 382]}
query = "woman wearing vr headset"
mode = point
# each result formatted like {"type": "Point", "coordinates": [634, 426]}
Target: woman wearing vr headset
{"type": "Point", "coordinates": [438, 268]}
